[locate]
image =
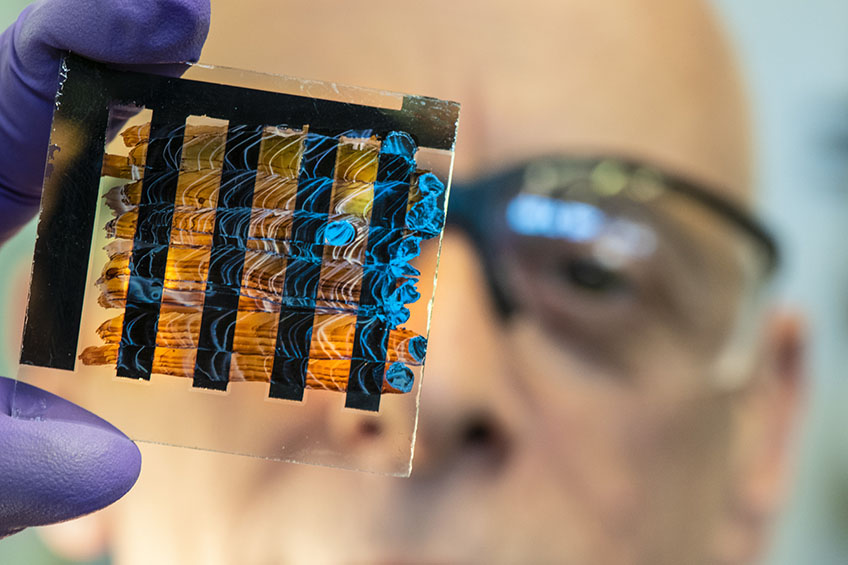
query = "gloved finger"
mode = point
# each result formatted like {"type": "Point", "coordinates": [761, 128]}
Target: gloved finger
{"type": "Point", "coordinates": [126, 32]}
{"type": "Point", "coordinates": [58, 460]}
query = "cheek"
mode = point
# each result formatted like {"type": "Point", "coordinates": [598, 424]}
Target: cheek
{"type": "Point", "coordinates": [588, 441]}
{"type": "Point", "coordinates": [635, 466]}
{"type": "Point", "coordinates": [583, 435]}
{"type": "Point", "coordinates": [685, 472]}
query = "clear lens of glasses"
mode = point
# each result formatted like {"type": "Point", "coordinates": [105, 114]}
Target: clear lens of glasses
{"type": "Point", "coordinates": [614, 264]}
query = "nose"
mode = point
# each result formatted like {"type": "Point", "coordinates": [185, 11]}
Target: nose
{"type": "Point", "coordinates": [469, 404]}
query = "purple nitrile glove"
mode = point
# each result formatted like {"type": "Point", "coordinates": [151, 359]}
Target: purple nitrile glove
{"type": "Point", "coordinates": [126, 32]}
{"type": "Point", "coordinates": [57, 461]}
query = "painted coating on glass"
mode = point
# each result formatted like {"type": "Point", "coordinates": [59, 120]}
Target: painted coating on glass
{"type": "Point", "coordinates": [282, 256]}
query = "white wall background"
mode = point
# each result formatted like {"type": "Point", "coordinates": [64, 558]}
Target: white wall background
{"type": "Point", "coordinates": [795, 55]}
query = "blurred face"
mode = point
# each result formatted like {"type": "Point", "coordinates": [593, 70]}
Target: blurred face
{"type": "Point", "coordinates": [584, 429]}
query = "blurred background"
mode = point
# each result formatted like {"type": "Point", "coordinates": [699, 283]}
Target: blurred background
{"type": "Point", "coordinates": [795, 57]}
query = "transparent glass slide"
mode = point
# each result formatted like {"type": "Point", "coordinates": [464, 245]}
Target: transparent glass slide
{"type": "Point", "coordinates": [240, 268]}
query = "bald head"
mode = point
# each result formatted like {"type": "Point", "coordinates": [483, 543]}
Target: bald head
{"type": "Point", "coordinates": [645, 79]}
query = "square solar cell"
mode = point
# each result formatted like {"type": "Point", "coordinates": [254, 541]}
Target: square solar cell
{"type": "Point", "coordinates": [246, 254]}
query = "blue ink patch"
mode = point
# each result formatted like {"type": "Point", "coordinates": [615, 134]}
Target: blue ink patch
{"type": "Point", "coordinates": [418, 348]}
{"type": "Point", "coordinates": [429, 184]}
{"type": "Point", "coordinates": [399, 143]}
{"type": "Point", "coordinates": [400, 377]}
{"type": "Point", "coordinates": [425, 216]}
{"type": "Point", "coordinates": [339, 233]}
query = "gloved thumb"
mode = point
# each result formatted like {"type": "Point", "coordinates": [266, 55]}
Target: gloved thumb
{"type": "Point", "coordinates": [57, 460]}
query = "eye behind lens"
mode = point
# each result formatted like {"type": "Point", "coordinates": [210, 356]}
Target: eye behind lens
{"type": "Point", "coordinates": [591, 275]}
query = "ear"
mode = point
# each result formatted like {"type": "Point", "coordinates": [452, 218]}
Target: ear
{"type": "Point", "coordinates": [766, 425]}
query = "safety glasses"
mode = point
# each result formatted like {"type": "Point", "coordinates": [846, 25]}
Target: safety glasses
{"type": "Point", "coordinates": [618, 260]}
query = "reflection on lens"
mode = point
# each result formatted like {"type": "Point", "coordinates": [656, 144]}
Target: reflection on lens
{"type": "Point", "coordinates": [531, 214]}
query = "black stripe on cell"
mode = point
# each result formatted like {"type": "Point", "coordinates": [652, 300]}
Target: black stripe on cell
{"type": "Point", "coordinates": [226, 261]}
{"type": "Point", "coordinates": [150, 254]}
{"type": "Point", "coordinates": [303, 271]}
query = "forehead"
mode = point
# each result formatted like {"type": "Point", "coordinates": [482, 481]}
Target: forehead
{"type": "Point", "coordinates": [645, 79]}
